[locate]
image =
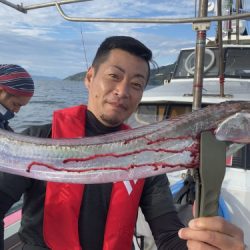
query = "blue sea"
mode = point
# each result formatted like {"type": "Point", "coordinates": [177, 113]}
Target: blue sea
{"type": "Point", "coordinates": [49, 95]}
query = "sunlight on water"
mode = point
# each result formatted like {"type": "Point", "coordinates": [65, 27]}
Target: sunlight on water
{"type": "Point", "coordinates": [49, 95]}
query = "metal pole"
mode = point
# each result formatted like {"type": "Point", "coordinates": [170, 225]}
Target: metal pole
{"type": "Point", "coordinates": [14, 6]}
{"type": "Point", "coordinates": [221, 52]}
{"type": "Point", "coordinates": [197, 89]}
{"type": "Point", "coordinates": [24, 9]}
{"type": "Point", "coordinates": [237, 23]}
{"type": "Point", "coordinates": [194, 20]}
{"type": "Point", "coordinates": [229, 33]}
{"type": "Point", "coordinates": [199, 60]}
{"type": "Point", "coordinates": [151, 20]}
{"type": "Point", "coordinates": [50, 4]}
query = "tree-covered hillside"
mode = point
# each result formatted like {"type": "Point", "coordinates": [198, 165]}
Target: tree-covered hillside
{"type": "Point", "coordinates": [157, 75]}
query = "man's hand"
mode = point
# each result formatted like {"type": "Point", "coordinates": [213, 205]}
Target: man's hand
{"type": "Point", "coordinates": [212, 233]}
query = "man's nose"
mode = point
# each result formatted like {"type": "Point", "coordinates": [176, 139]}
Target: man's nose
{"type": "Point", "coordinates": [122, 89]}
{"type": "Point", "coordinates": [16, 109]}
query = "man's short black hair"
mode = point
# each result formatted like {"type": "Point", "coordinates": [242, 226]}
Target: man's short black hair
{"type": "Point", "coordinates": [126, 43]}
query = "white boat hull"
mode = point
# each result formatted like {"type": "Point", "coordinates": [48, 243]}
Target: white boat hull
{"type": "Point", "coordinates": [236, 194]}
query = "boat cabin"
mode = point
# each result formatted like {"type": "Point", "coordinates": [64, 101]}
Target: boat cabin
{"type": "Point", "coordinates": [175, 97]}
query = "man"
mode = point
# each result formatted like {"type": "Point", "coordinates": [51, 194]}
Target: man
{"type": "Point", "coordinates": [16, 90]}
{"type": "Point", "coordinates": [62, 216]}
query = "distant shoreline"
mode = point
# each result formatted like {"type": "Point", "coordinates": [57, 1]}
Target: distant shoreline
{"type": "Point", "coordinates": [157, 76]}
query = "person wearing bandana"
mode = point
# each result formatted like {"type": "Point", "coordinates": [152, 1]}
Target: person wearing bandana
{"type": "Point", "coordinates": [16, 90]}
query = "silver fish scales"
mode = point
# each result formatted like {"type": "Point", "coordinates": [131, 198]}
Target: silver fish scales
{"type": "Point", "coordinates": [150, 150]}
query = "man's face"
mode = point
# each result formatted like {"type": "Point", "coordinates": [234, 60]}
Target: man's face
{"type": "Point", "coordinates": [11, 102]}
{"type": "Point", "coordinates": [115, 90]}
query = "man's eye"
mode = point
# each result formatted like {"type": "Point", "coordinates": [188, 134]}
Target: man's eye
{"type": "Point", "coordinates": [137, 85]}
{"type": "Point", "coordinates": [114, 76]}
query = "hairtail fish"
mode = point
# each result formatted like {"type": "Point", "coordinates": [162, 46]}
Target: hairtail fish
{"type": "Point", "coordinates": [154, 149]}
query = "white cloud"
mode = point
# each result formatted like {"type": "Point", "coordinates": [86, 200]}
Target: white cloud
{"type": "Point", "coordinates": [46, 44]}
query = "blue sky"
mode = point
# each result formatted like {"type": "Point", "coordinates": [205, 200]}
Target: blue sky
{"type": "Point", "coordinates": [46, 44]}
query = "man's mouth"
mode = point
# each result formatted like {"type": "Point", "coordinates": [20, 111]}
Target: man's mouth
{"type": "Point", "coordinates": [118, 105]}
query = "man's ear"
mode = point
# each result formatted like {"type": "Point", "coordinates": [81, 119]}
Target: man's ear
{"type": "Point", "coordinates": [88, 77]}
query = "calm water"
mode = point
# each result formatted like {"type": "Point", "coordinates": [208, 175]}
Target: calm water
{"type": "Point", "coordinates": [49, 95]}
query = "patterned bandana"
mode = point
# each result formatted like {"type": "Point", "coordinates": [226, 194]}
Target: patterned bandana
{"type": "Point", "coordinates": [16, 80]}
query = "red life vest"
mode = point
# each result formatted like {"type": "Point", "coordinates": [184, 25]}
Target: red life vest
{"type": "Point", "coordinates": [63, 200]}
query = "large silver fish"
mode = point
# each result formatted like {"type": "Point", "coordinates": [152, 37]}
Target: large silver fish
{"type": "Point", "coordinates": [146, 151]}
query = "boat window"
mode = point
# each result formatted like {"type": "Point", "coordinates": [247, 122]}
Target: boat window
{"type": "Point", "coordinates": [185, 65]}
{"type": "Point", "coordinates": [237, 62]}
{"type": "Point", "coordinates": [146, 114]}
{"type": "Point", "coordinates": [240, 159]}
{"type": "Point", "coordinates": [177, 109]}
{"type": "Point", "coordinates": [150, 113]}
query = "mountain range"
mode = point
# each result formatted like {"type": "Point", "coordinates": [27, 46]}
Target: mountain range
{"type": "Point", "coordinates": [157, 75]}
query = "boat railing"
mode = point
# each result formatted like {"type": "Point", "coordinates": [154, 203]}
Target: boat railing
{"type": "Point", "coordinates": [25, 9]}
{"type": "Point", "coordinates": [205, 21]}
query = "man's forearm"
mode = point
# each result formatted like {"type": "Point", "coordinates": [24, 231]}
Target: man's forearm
{"type": "Point", "coordinates": [165, 230]}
